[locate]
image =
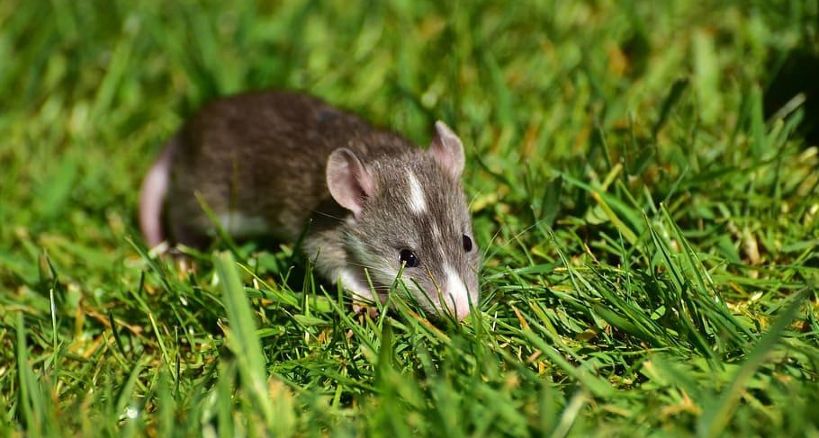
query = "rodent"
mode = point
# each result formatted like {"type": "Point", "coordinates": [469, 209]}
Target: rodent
{"type": "Point", "coordinates": [274, 162]}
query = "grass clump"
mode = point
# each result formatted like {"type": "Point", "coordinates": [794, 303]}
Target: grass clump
{"type": "Point", "coordinates": [649, 222]}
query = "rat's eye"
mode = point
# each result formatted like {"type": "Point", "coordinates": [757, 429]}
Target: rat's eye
{"type": "Point", "coordinates": [467, 243]}
{"type": "Point", "coordinates": [408, 258]}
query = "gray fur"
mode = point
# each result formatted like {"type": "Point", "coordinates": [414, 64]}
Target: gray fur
{"type": "Point", "coordinates": [263, 156]}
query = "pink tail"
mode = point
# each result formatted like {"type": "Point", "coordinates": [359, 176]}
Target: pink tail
{"type": "Point", "coordinates": [152, 197]}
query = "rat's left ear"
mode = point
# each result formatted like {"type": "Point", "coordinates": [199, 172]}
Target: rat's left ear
{"type": "Point", "coordinates": [447, 149]}
{"type": "Point", "coordinates": [349, 181]}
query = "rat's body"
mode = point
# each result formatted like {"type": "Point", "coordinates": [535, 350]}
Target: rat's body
{"type": "Point", "coordinates": [273, 163]}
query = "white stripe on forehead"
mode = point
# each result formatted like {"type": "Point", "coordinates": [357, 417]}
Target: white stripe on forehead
{"type": "Point", "coordinates": [438, 240]}
{"type": "Point", "coordinates": [417, 201]}
{"type": "Point", "coordinates": [436, 232]}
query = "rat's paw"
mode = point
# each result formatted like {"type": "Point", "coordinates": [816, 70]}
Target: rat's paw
{"type": "Point", "coordinates": [363, 308]}
{"type": "Point", "coordinates": [160, 249]}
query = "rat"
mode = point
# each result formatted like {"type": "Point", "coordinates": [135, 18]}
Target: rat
{"type": "Point", "coordinates": [369, 205]}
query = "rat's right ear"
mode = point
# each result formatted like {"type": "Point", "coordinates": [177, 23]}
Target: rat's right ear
{"type": "Point", "coordinates": [349, 181]}
{"type": "Point", "coordinates": [447, 150]}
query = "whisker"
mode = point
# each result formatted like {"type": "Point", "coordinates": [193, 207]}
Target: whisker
{"type": "Point", "coordinates": [328, 215]}
{"type": "Point", "coordinates": [514, 238]}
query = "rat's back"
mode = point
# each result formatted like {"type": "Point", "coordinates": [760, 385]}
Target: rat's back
{"type": "Point", "coordinates": [257, 162]}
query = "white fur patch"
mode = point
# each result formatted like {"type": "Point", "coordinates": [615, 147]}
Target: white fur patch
{"type": "Point", "coordinates": [418, 203]}
{"type": "Point", "coordinates": [455, 294]}
{"type": "Point", "coordinates": [238, 224]}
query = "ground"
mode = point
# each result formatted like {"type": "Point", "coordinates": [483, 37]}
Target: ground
{"type": "Point", "coordinates": [643, 182]}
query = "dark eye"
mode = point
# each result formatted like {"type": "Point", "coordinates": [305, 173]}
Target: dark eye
{"type": "Point", "coordinates": [408, 258]}
{"type": "Point", "coordinates": [467, 243]}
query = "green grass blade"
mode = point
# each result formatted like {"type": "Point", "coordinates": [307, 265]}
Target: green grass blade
{"type": "Point", "coordinates": [719, 414]}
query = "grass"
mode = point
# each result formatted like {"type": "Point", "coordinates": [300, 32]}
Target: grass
{"type": "Point", "coordinates": [650, 228]}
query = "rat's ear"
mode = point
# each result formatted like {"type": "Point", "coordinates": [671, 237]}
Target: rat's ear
{"type": "Point", "coordinates": [447, 149]}
{"type": "Point", "coordinates": [349, 181]}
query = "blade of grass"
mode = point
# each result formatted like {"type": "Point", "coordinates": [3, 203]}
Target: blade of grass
{"type": "Point", "coordinates": [244, 341]}
{"type": "Point", "coordinates": [719, 414]}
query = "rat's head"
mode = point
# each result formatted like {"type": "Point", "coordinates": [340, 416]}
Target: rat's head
{"type": "Point", "coordinates": [409, 216]}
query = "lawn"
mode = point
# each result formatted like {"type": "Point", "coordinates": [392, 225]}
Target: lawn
{"type": "Point", "coordinates": [645, 195]}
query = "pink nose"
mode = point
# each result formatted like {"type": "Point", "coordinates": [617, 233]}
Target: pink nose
{"type": "Point", "coordinates": [458, 305]}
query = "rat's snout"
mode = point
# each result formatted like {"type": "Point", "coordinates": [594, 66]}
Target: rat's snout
{"type": "Point", "coordinates": [456, 296]}
{"type": "Point", "coordinates": [457, 306]}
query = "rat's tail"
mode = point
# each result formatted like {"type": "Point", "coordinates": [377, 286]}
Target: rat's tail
{"type": "Point", "coordinates": [152, 196]}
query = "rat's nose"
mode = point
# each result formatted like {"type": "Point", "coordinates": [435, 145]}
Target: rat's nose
{"type": "Point", "coordinates": [456, 296]}
{"type": "Point", "coordinates": [457, 302]}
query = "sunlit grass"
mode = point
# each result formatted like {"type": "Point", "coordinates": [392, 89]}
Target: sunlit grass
{"type": "Point", "coordinates": [650, 231]}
